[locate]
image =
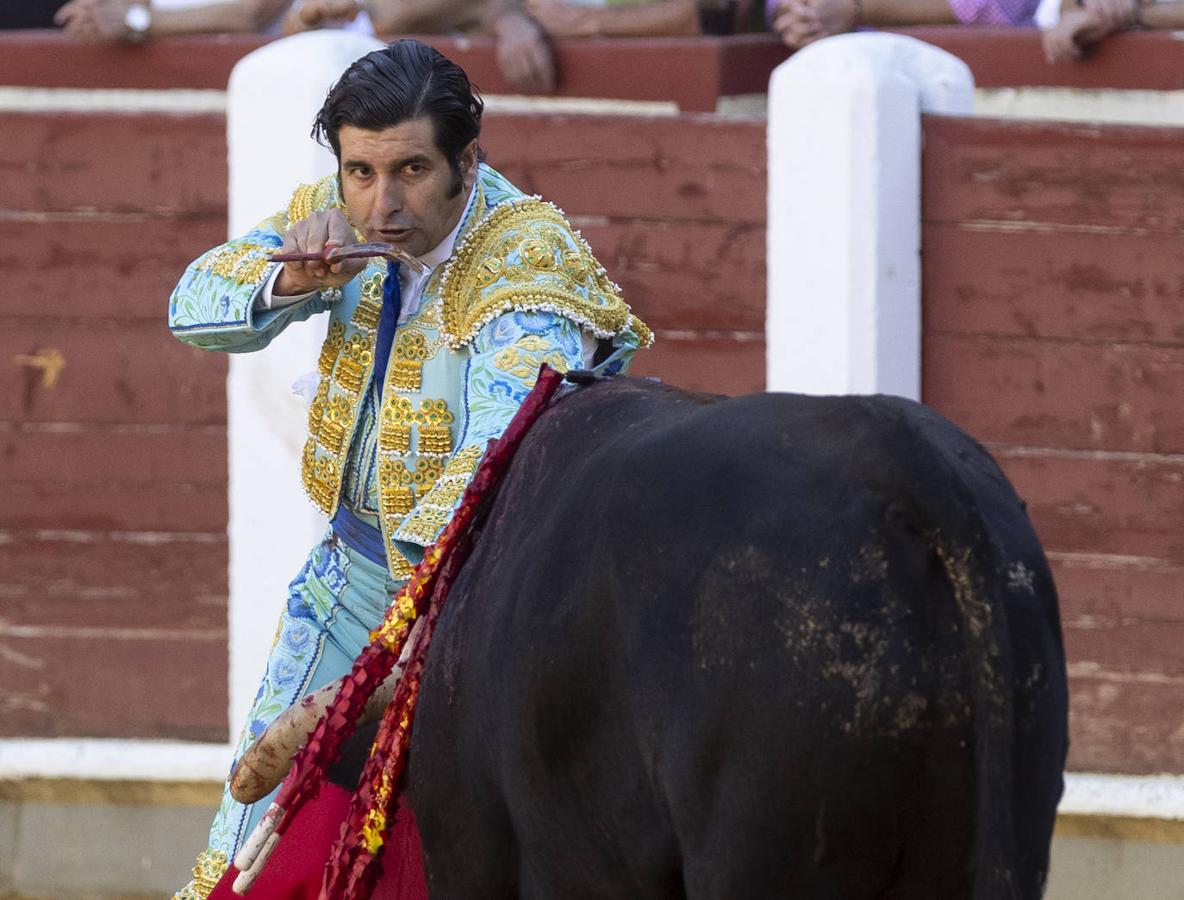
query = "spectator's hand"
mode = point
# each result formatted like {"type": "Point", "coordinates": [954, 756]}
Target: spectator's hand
{"type": "Point", "coordinates": [565, 20]}
{"type": "Point", "coordinates": [312, 235]}
{"type": "Point", "coordinates": [523, 53]}
{"type": "Point", "coordinates": [94, 20]}
{"type": "Point", "coordinates": [801, 22]}
{"type": "Point", "coordinates": [1114, 13]}
{"type": "Point", "coordinates": [312, 14]}
{"type": "Point", "coordinates": [1077, 29]}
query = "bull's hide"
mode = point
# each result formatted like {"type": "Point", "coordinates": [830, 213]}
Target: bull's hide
{"type": "Point", "coordinates": [773, 646]}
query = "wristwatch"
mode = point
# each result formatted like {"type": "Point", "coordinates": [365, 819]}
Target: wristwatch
{"type": "Point", "coordinates": [137, 20]}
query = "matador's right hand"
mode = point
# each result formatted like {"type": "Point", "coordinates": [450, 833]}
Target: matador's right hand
{"type": "Point", "coordinates": [329, 228]}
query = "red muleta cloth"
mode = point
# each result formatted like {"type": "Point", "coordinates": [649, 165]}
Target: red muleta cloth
{"type": "Point", "coordinates": [297, 866]}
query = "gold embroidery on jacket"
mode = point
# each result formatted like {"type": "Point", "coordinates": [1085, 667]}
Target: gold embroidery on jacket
{"type": "Point", "coordinates": [424, 524]}
{"type": "Point", "coordinates": [410, 351]}
{"type": "Point", "coordinates": [523, 358]}
{"type": "Point", "coordinates": [433, 418]}
{"type": "Point", "coordinates": [465, 461]}
{"type": "Point", "coordinates": [242, 263]}
{"type": "Point", "coordinates": [211, 865]}
{"type": "Point", "coordinates": [316, 411]}
{"type": "Point", "coordinates": [354, 362]}
{"type": "Point", "coordinates": [401, 570]}
{"type": "Point", "coordinates": [344, 365]}
{"type": "Point", "coordinates": [369, 308]}
{"type": "Point", "coordinates": [524, 256]}
{"type": "Point", "coordinates": [394, 427]}
{"type": "Point", "coordinates": [400, 486]}
{"type": "Point", "coordinates": [330, 349]}
{"type": "Point", "coordinates": [315, 197]}
{"type": "Point", "coordinates": [435, 507]}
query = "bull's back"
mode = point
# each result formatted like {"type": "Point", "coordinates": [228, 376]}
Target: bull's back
{"type": "Point", "coordinates": [706, 649]}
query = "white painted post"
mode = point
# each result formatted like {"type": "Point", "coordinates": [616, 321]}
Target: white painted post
{"type": "Point", "coordinates": [844, 237]}
{"type": "Point", "coordinates": [274, 94]}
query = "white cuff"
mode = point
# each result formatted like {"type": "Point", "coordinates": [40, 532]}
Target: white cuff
{"type": "Point", "coordinates": [265, 299]}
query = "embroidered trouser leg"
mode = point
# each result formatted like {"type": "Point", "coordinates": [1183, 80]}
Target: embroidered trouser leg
{"type": "Point", "coordinates": [338, 598]}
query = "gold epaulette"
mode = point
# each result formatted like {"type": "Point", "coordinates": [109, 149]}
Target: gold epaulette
{"type": "Point", "coordinates": [525, 256]}
{"type": "Point", "coordinates": [310, 198]}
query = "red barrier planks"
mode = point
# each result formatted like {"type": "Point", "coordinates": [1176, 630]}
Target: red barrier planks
{"type": "Point", "coordinates": [700, 276]}
{"type": "Point", "coordinates": [98, 504]}
{"type": "Point", "coordinates": [51, 59]}
{"type": "Point", "coordinates": [1117, 587]}
{"type": "Point", "coordinates": [1044, 177]}
{"type": "Point", "coordinates": [1014, 57]}
{"type": "Point", "coordinates": [53, 687]}
{"type": "Point", "coordinates": [145, 580]}
{"type": "Point", "coordinates": [1066, 284]}
{"type": "Point", "coordinates": [689, 168]}
{"type": "Point", "coordinates": [1125, 725]}
{"type": "Point", "coordinates": [1101, 503]}
{"type": "Point", "coordinates": [150, 163]}
{"type": "Point", "coordinates": [113, 372]}
{"type": "Point", "coordinates": [714, 365]}
{"type": "Point", "coordinates": [1053, 305]}
{"type": "Point", "coordinates": [1065, 394]}
{"type": "Point", "coordinates": [97, 267]}
{"type": "Point", "coordinates": [126, 454]}
{"type": "Point", "coordinates": [691, 72]}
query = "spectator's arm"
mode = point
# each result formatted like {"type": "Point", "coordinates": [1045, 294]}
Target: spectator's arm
{"type": "Point", "coordinates": [1160, 15]}
{"type": "Point", "coordinates": [663, 18]}
{"type": "Point", "coordinates": [235, 16]}
{"type": "Point", "coordinates": [523, 51]}
{"type": "Point", "coordinates": [892, 13]}
{"type": "Point", "coordinates": [401, 17]}
{"type": "Point", "coordinates": [801, 22]}
{"type": "Point", "coordinates": [103, 20]}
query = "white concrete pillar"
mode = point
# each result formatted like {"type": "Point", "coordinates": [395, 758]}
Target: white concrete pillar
{"type": "Point", "coordinates": [274, 94]}
{"type": "Point", "coordinates": [844, 236]}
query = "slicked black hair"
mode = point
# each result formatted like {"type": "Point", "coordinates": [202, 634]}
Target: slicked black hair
{"type": "Point", "coordinates": [403, 81]}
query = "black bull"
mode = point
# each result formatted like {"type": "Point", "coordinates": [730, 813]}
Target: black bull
{"type": "Point", "coordinates": [773, 646]}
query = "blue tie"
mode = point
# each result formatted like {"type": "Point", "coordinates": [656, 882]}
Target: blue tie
{"type": "Point", "coordinates": [388, 321]}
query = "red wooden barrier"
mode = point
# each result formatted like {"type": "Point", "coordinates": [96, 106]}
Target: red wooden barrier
{"type": "Point", "coordinates": [112, 530]}
{"type": "Point", "coordinates": [1054, 331]}
{"type": "Point", "coordinates": [692, 72]}
{"type": "Point", "coordinates": [1054, 319]}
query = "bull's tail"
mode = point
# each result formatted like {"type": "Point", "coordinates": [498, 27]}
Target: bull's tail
{"type": "Point", "coordinates": [989, 667]}
{"type": "Point", "coordinates": [1014, 661]}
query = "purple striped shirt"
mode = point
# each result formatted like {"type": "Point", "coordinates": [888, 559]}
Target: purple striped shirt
{"type": "Point", "coordinates": [972, 12]}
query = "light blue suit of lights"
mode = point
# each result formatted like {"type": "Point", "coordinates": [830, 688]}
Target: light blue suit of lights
{"type": "Point", "coordinates": [392, 460]}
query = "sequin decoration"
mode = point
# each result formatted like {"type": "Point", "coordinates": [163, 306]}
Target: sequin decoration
{"type": "Point", "coordinates": [315, 197]}
{"type": "Point", "coordinates": [432, 417]}
{"type": "Point", "coordinates": [394, 429]}
{"type": "Point", "coordinates": [400, 569]}
{"type": "Point", "coordinates": [211, 866]}
{"type": "Point", "coordinates": [410, 351]}
{"type": "Point", "coordinates": [523, 358]}
{"type": "Point", "coordinates": [242, 263]}
{"type": "Point", "coordinates": [354, 362]}
{"type": "Point", "coordinates": [369, 308]}
{"type": "Point", "coordinates": [435, 506]}
{"type": "Point", "coordinates": [330, 349]}
{"type": "Point", "coordinates": [316, 410]}
{"type": "Point", "coordinates": [435, 440]}
{"type": "Point", "coordinates": [525, 256]}
{"type": "Point", "coordinates": [423, 526]}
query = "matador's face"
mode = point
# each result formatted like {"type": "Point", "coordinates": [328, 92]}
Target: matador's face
{"type": "Point", "coordinates": [398, 186]}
